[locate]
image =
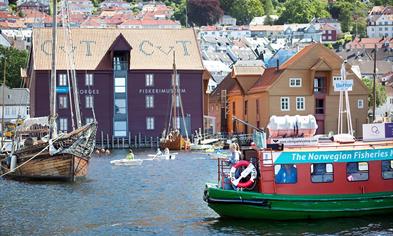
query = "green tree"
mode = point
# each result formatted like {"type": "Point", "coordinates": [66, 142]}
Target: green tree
{"type": "Point", "coordinates": [15, 60]}
{"type": "Point", "coordinates": [380, 92]}
{"type": "Point", "coordinates": [179, 11]}
{"type": "Point", "coordinates": [382, 2]}
{"type": "Point", "coordinates": [226, 5]}
{"type": "Point", "coordinates": [352, 15]}
{"type": "Point", "coordinates": [268, 7]}
{"type": "Point", "coordinates": [302, 11]}
{"type": "Point", "coordinates": [245, 10]}
{"type": "Point", "coordinates": [204, 12]}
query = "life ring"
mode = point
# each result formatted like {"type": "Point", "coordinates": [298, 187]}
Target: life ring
{"type": "Point", "coordinates": [250, 169]}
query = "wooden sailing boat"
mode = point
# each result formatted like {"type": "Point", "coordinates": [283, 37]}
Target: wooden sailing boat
{"type": "Point", "coordinates": [172, 138]}
{"type": "Point", "coordinates": [44, 153]}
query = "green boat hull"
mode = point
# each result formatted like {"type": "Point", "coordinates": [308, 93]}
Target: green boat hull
{"type": "Point", "coordinates": [254, 205]}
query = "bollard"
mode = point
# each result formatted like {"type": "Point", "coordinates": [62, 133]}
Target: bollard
{"type": "Point", "coordinates": [129, 139]}
{"type": "Point", "coordinates": [107, 140]}
{"type": "Point", "coordinates": [122, 140]}
{"type": "Point", "coordinates": [135, 141]}
{"type": "Point", "coordinates": [151, 142]}
{"type": "Point", "coordinates": [102, 139]}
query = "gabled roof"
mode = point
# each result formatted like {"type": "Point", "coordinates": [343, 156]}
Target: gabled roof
{"type": "Point", "coordinates": [298, 55]}
{"type": "Point", "coordinates": [153, 48]}
{"type": "Point", "coordinates": [266, 80]}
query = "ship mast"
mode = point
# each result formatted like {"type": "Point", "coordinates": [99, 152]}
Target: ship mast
{"type": "Point", "coordinates": [52, 115]}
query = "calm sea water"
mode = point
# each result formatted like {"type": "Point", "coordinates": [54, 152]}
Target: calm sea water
{"type": "Point", "coordinates": [156, 198]}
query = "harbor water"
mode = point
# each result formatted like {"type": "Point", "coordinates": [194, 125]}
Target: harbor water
{"type": "Point", "coordinates": [156, 198]}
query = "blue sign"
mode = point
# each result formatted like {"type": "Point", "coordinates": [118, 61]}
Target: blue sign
{"type": "Point", "coordinates": [388, 130]}
{"type": "Point", "coordinates": [334, 156]}
{"type": "Point", "coordinates": [62, 89]}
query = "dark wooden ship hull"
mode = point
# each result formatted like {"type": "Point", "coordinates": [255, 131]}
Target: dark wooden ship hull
{"type": "Point", "coordinates": [173, 143]}
{"type": "Point", "coordinates": [63, 168]}
{"type": "Point", "coordinates": [69, 161]}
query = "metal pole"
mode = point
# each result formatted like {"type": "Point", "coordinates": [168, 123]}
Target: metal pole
{"type": "Point", "coordinates": [53, 131]}
{"type": "Point", "coordinates": [2, 109]}
{"type": "Point", "coordinates": [374, 80]}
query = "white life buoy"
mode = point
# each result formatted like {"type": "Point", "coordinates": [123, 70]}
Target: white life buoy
{"type": "Point", "coordinates": [250, 170]}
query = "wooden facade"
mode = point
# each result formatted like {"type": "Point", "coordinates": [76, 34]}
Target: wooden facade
{"type": "Point", "coordinates": [311, 71]}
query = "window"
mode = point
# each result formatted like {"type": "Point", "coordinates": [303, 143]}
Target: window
{"type": "Point", "coordinates": [319, 106]}
{"type": "Point", "coordinates": [27, 110]}
{"type": "Point", "coordinates": [120, 106]}
{"type": "Point", "coordinates": [63, 124]}
{"type": "Point", "coordinates": [150, 123]}
{"type": "Point", "coordinates": [360, 104]}
{"type": "Point", "coordinates": [149, 80]}
{"type": "Point", "coordinates": [63, 101]}
{"type": "Point", "coordinates": [89, 120]}
{"type": "Point", "coordinates": [257, 107]}
{"type": "Point", "coordinates": [285, 174]}
{"type": "Point", "coordinates": [357, 171]}
{"type": "Point", "coordinates": [336, 78]}
{"type": "Point", "coordinates": [319, 85]}
{"type": "Point", "coordinates": [284, 103]}
{"type": "Point", "coordinates": [233, 108]}
{"type": "Point", "coordinates": [387, 169]}
{"type": "Point", "coordinates": [322, 173]}
{"type": "Point", "coordinates": [120, 85]}
{"type": "Point", "coordinates": [62, 79]}
{"type": "Point", "coordinates": [295, 82]}
{"type": "Point", "coordinates": [245, 107]}
{"type": "Point", "coordinates": [89, 99]}
{"type": "Point", "coordinates": [89, 79]}
{"type": "Point", "coordinates": [149, 101]}
{"type": "Point", "coordinates": [300, 103]}
{"type": "Point", "coordinates": [120, 129]}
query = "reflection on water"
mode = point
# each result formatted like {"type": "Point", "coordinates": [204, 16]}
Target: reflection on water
{"type": "Point", "coordinates": [158, 197]}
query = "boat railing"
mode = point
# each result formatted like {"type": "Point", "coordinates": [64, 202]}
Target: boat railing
{"type": "Point", "coordinates": [223, 169]}
{"type": "Point", "coordinates": [343, 146]}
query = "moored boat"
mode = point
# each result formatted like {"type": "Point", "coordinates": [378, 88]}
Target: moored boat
{"type": "Point", "coordinates": [330, 181]}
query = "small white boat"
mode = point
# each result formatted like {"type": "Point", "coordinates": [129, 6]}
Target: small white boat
{"type": "Point", "coordinates": [200, 146]}
{"type": "Point", "coordinates": [127, 162]}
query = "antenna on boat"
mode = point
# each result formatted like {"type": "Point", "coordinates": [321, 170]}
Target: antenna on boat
{"type": "Point", "coordinates": [53, 114]}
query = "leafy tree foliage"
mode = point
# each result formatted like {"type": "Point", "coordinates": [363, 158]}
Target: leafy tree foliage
{"type": "Point", "coordinates": [245, 10]}
{"type": "Point", "coordinates": [382, 2]}
{"type": "Point", "coordinates": [380, 92]}
{"type": "Point", "coordinates": [352, 15]}
{"type": "Point", "coordinates": [226, 5]}
{"type": "Point", "coordinates": [268, 7]}
{"type": "Point", "coordinates": [204, 12]}
{"type": "Point", "coordinates": [303, 11]}
{"type": "Point", "coordinates": [15, 59]}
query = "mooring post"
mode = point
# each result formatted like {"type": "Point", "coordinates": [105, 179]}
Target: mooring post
{"type": "Point", "coordinates": [102, 139]}
{"type": "Point", "coordinates": [151, 142]}
{"type": "Point", "coordinates": [118, 143]}
{"type": "Point", "coordinates": [107, 140]}
{"type": "Point", "coordinates": [139, 139]}
{"type": "Point", "coordinates": [113, 142]}
{"type": "Point", "coordinates": [122, 140]}
{"type": "Point", "coordinates": [135, 141]}
{"type": "Point", "coordinates": [158, 142]}
{"type": "Point", "coordinates": [129, 139]}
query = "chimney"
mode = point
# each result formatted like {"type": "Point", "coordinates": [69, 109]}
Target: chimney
{"type": "Point", "coordinates": [277, 64]}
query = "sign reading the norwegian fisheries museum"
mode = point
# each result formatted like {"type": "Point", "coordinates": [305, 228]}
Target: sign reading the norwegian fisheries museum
{"type": "Point", "coordinates": [333, 156]}
{"type": "Point", "coordinates": [343, 85]}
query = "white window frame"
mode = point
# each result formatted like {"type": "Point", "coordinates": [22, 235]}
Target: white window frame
{"type": "Point", "coordinates": [360, 103]}
{"type": "Point", "coordinates": [89, 120]}
{"type": "Point", "coordinates": [149, 80]}
{"type": "Point", "coordinates": [300, 100]}
{"type": "Point", "coordinates": [63, 124]}
{"type": "Point", "coordinates": [149, 123]}
{"type": "Point", "coordinates": [149, 101]}
{"type": "Point", "coordinates": [282, 99]}
{"type": "Point", "coordinates": [63, 101]}
{"type": "Point", "coordinates": [295, 84]}
{"type": "Point", "coordinates": [89, 79]}
{"type": "Point", "coordinates": [62, 79]}
{"type": "Point", "coordinates": [89, 101]}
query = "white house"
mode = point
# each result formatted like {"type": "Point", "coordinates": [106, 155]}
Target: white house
{"type": "Point", "coordinates": [380, 22]}
{"type": "Point", "coordinates": [16, 103]}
